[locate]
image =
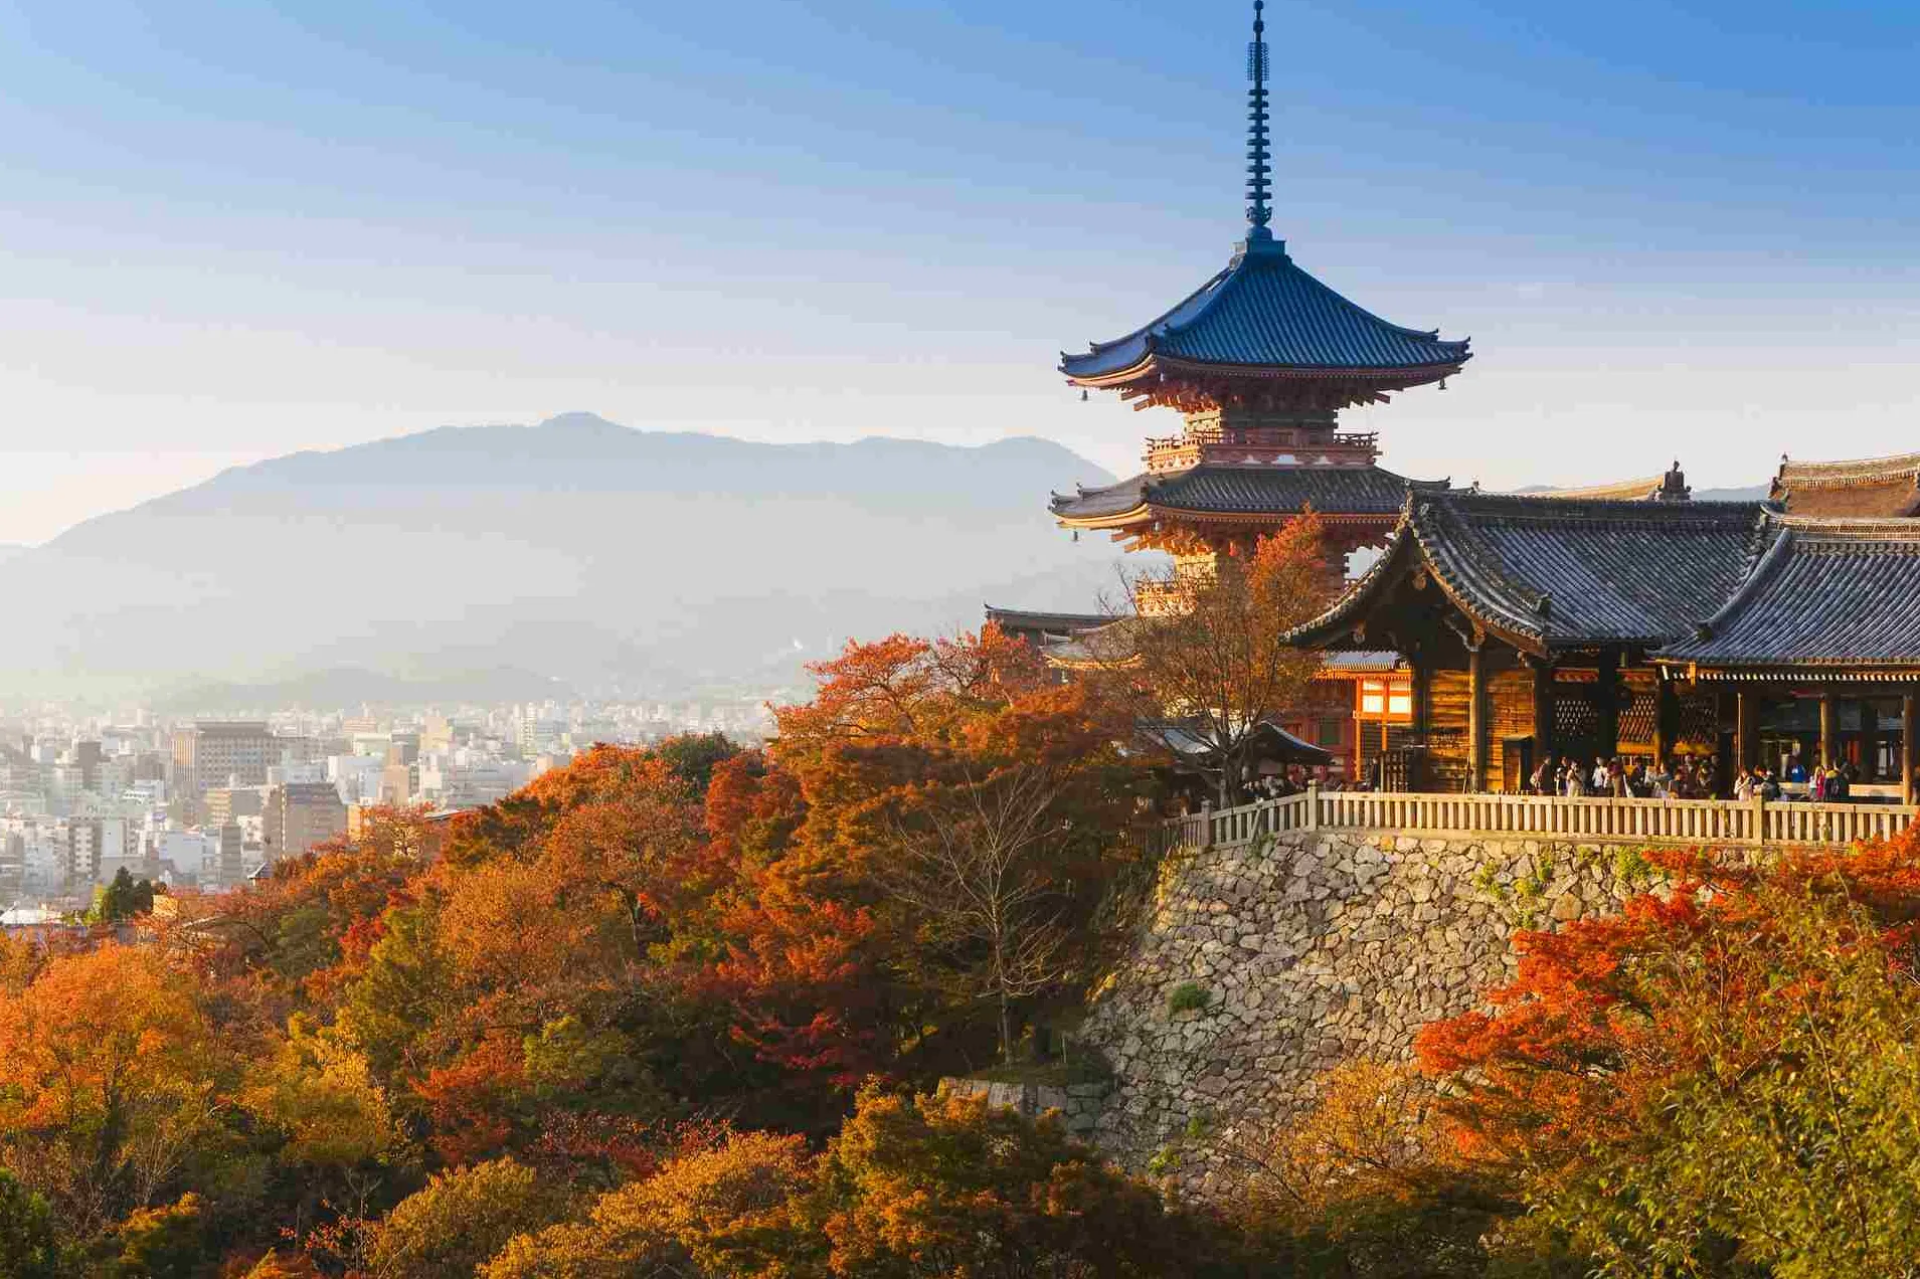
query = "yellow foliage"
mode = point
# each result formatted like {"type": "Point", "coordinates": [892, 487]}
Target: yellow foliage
{"type": "Point", "coordinates": [1373, 1136]}
{"type": "Point", "coordinates": [321, 1092]}
{"type": "Point", "coordinates": [731, 1210]}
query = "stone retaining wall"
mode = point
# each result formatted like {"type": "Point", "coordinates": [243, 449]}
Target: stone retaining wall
{"type": "Point", "coordinates": [1310, 948]}
{"type": "Point", "coordinates": [1079, 1104]}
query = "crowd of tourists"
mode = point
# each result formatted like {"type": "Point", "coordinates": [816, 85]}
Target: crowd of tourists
{"type": "Point", "coordinates": [1294, 782]}
{"type": "Point", "coordinates": [1683, 779]}
{"type": "Point", "coordinates": [1615, 777]}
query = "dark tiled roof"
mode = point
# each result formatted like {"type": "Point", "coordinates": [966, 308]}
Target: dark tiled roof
{"type": "Point", "coordinates": [1826, 593]}
{"type": "Point", "coordinates": [1565, 573]}
{"type": "Point", "coordinates": [1265, 311]}
{"type": "Point", "coordinates": [1363, 661]}
{"type": "Point", "coordinates": [1020, 621]}
{"type": "Point", "coordinates": [1332, 490]}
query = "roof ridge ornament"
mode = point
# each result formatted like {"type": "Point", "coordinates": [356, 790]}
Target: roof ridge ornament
{"type": "Point", "coordinates": [1259, 153]}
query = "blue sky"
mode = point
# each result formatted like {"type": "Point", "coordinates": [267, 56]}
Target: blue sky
{"type": "Point", "coordinates": [234, 230]}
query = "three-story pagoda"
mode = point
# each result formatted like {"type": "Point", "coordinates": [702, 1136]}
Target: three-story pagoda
{"type": "Point", "coordinates": [1259, 361]}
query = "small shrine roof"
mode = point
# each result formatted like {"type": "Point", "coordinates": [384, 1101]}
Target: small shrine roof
{"type": "Point", "coordinates": [1028, 621]}
{"type": "Point", "coordinates": [1264, 313]}
{"type": "Point", "coordinates": [1210, 489]}
{"type": "Point", "coordinates": [1826, 593]}
{"type": "Point", "coordinates": [1556, 574]}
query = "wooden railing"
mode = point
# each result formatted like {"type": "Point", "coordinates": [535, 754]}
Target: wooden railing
{"type": "Point", "coordinates": [1745, 823]}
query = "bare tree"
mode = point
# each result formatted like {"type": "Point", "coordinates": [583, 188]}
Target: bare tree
{"type": "Point", "coordinates": [1208, 662]}
{"type": "Point", "coordinates": [975, 861]}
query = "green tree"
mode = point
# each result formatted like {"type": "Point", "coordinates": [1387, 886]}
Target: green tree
{"type": "Point", "coordinates": [156, 1243]}
{"type": "Point", "coordinates": [28, 1246]}
{"type": "Point", "coordinates": [122, 899]}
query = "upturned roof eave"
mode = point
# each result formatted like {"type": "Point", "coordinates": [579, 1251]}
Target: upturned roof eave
{"type": "Point", "coordinates": [1789, 670]}
{"type": "Point", "coordinates": [1150, 511]}
{"type": "Point", "coordinates": [1340, 620]}
{"type": "Point", "coordinates": [1401, 376]}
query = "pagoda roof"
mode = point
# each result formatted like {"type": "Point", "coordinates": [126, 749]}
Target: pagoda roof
{"type": "Point", "coordinates": [1213, 489]}
{"type": "Point", "coordinates": [1870, 487]}
{"type": "Point", "coordinates": [1559, 574]}
{"type": "Point", "coordinates": [1264, 315]}
{"type": "Point", "coordinates": [1826, 593]}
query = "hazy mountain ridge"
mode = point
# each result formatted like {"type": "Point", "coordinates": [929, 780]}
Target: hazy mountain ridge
{"type": "Point", "coordinates": [576, 550]}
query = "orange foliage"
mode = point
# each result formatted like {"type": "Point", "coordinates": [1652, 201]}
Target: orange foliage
{"type": "Point", "coordinates": [468, 1100]}
{"type": "Point", "coordinates": [1604, 1013]}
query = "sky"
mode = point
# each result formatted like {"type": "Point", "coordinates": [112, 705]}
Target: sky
{"type": "Point", "coordinates": [230, 231]}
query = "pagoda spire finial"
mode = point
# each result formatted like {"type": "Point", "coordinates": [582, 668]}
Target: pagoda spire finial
{"type": "Point", "coordinates": [1259, 171]}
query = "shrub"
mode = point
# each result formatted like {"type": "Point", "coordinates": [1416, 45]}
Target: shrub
{"type": "Point", "coordinates": [1188, 996]}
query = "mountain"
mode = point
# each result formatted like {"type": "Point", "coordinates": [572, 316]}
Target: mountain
{"type": "Point", "coordinates": [1746, 493]}
{"type": "Point", "coordinates": [576, 551]}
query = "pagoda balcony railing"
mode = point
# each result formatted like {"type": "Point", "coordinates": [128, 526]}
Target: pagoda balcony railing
{"type": "Point", "coordinates": [1164, 596]}
{"type": "Point", "coordinates": [1161, 597]}
{"type": "Point", "coordinates": [1752, 823]}
{"type": "Point", "coordinates": [1176, 452]}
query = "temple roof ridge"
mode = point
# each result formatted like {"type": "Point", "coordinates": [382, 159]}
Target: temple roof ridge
{"type": "Point", "coordinates": [1554, 574]}
{"type": "Point", "coordinates": [1849, 468]}
{"type": "Point", "coordinates": [1231, 491]}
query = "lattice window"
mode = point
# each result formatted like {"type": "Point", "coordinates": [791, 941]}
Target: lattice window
{"type": "Point", "coordinates": [1575, 717]}
{"type": "Point", "coordinates": [1697, 719]}
{"type": "Point", "coordinates": [1637, 715]}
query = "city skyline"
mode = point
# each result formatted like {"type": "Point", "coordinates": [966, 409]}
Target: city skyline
{"type": "Point", "coordinates": [850, 219]}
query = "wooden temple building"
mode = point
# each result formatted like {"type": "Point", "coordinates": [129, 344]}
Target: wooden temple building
{"type": "Point", "coordinates": [1544, 627]}
{"type": "Point", "coordinates": [1494, 631]}
{"type": "Point", "coordinates": [1259, 363]}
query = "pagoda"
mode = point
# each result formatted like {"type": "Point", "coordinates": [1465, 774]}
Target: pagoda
{"type": "Point", "coordinates": [1259, 362]}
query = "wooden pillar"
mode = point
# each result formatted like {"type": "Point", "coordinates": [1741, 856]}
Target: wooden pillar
{"type": "Point", "coordinates": [1746, 730]}
{"type": "Point", "coordinates": [1725, 708]}
{"type": "Point", "coordinates": [1907, 761]}
{"type": "Point", "coordinates": [1607, 701]}
{"type": "Point", "coordinates": [1420, 681]}
{"type": "Point", "coordinates": [1829, 728]}
{"type": "Point", "coordinates": [1666, 714]}
{"type": "Point", "coordinates": [1543, 712]}
{"type": "Point", "coordinates": [1476, 720]}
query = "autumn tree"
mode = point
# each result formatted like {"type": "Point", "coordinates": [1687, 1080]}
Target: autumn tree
{"type": "Point", "coordinates": [735, 1207]}
{"type": "Point", "coordinates": [975, 863]}
{"type": "Point", "coordinates": [338, 1140]}
{"type": "Point", "coordinates": [1720, 1077]}
{"type": "Point", "coordinates": [460, 1219]}
{"type": "Point", "coordinates": [1211, 662]}
{"type": "Point", "coordinates": [973, 802]}
{"type": "Point", "coordinates": [1367, 1181]}
{"type": "Point", "coordinates": [111, 1084]}
{"type": "Point", "coordinates": [937, 1186]}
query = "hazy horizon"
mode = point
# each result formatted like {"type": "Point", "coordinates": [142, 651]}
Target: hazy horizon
{"type": "Point", "coordinates": [1666, 232]}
